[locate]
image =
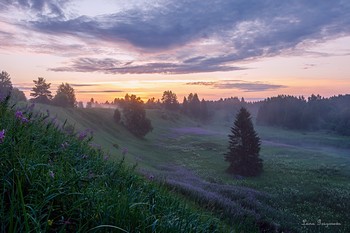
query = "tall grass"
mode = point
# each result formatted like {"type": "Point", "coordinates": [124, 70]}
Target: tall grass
{"type": "Point", "coordinates": [55, 182]}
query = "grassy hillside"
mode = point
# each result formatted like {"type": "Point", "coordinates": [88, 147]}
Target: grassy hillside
{"type": "Point", "coordinates": [305, 177]}
{"type": "Point", "coordinates": [55, 182]}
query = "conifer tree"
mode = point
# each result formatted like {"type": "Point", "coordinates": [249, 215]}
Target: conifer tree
{"type": "Point", "coordinates": [185, 106]}
{"type": "Point", "coordinates": [41, 92]}
{"type": "Point", "coordinates": [244, 148]}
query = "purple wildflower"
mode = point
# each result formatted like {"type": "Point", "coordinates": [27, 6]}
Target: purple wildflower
{"type": "Point", "coordinates": [19, 115]}
{"type": "Point", "coordinates": [125, 151]}
{"type": "Point", "coordinates": [82, 135]}
{"type": "Point", "coordinates": [2, 136]}
{"type": "Point", "coordinates": [151, 177]}
{"type": "Point", "coordinates": [24, 120]}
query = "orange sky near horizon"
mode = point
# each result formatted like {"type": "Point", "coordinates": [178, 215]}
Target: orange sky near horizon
{"type": "Point", "coordinates": [327, 76]}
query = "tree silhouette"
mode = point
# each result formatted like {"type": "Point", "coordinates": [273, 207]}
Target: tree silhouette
{"type": "Point", "coordinates": [134, 116]}
{"type": "Point", "coordinates": [41, 92]}
{"type": "Point", "coordinates": [65, 96]}
{"type": "Point", "coordinates": [17, 95]}
{"type": "Point", "coordinates": [194, 105]}
{"type": "Point", "coordinates": [5, 85]}
{"type": "Point", "coordinates": [244, 148]}
{"type": "Point", "coordinates": [204, 110]}
{"type": "Point", "coordinates": [169, 100]}
{"type": "Point", "coordinates": [185, 106]}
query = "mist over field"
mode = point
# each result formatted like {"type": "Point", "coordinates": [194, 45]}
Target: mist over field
{"type": "Point", "coordinates": [174, 116]}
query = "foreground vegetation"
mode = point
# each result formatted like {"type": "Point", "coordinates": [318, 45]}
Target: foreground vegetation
{"type": "Point", "coordinates": [53, 180]}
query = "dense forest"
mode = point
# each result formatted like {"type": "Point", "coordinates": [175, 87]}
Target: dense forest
{"type": "Point", "coordinates": [313, 113]}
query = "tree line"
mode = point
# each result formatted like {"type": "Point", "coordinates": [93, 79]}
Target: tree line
{"type": "Point", "coordinates": [65, 95]}
{"type": "Point", "coordinates": [313, 113]}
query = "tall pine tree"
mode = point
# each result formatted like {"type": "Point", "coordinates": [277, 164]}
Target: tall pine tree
{"type": "Point", "coordinates": [244, 148]}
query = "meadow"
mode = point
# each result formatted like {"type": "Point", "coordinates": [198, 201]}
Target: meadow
{"type": "Point", "coordinates": [55, 179]}
{"type": "Point", "coordinates": [304, 187]}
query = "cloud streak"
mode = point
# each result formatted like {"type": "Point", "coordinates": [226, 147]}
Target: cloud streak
{"type": "Point", "coordinates": [240, 85]}
{"type": "Point", "coordinates": [99, 91]}
{"type": "Point", "coordinates": [113, 66]}
{"type": "Point", "coordinates": [42, 8]}
{"type": "Point", "coordinates": [256, 24]}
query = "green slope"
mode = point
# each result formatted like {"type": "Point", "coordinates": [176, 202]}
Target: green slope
{"type": "Point", "coordinates": [305, 173]}
{"type": "Point", "coordinates": [55, 182]}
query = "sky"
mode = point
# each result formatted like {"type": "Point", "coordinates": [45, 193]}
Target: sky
{"type": "Point", "coordinates": [219, 48]}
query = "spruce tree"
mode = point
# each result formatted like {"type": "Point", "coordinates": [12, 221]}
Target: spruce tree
{"type": "Point", "coordinates": [244, 147]}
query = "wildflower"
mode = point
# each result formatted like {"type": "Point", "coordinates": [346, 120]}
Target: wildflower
{"type": "Point", "coordinates": [52, 174]}
{"type": "Point", "coordinates": [151, 177]}
{"type": "Point", "coordinates": [19, 115]}
{"type": "Point", "coordinates": [24, 120]}
{"type": "Point", "coordinates": [49, 222]}
{"type": "Point", "coordinates": [125, 151]}
{"type": "Point", "coordinates": [82, 135]}
{"type": "Point", "coordinates": [2, 136]}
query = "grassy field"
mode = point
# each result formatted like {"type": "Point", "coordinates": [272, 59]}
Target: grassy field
{"type": "Point", "coordinates": [305, 185]}
{"type": "Point", "coordinates": [53, 181]}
